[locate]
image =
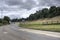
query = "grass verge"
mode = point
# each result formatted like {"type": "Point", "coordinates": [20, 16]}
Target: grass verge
{"type": "Point", "coordinates": [53, 27]}
{"type": "Point", "coordinates": [1, 24]}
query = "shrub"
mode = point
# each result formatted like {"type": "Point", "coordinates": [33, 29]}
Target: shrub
{"type": "Point", "coordinates": [5, 22]}
{"type": "Point", "coordinates": [1, 24]}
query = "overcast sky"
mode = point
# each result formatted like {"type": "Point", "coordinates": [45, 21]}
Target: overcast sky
{"type": "Point", "coordinates": [23, 8]}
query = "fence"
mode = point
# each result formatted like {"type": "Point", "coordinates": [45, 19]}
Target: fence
{"type": "Point", "coordinates": [51, 22]}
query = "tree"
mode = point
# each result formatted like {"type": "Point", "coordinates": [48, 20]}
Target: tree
{"type": "Point", "coordinates": [52, 11]}
{"type": "Point", "coordinates": [45, 13]}
{"type": "Point", "coordinates": [6, 18]}
{"type": "Point", "coordinates": [0, 20]}
{"type": "Point", "coordinates": [58, 11]}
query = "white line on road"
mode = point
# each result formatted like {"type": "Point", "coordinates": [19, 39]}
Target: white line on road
{"type": "Point", "coordinates": [52, 34]}
{"type": "Point", "coordinates": [5, 32]}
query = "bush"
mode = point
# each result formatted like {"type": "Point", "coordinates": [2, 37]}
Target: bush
{"type": "Point", "coordinates": [1, 24]}
{"type": "Point", "coordinates": [5, 22]}
{"type": "Point", "coordinates": [0, 20]}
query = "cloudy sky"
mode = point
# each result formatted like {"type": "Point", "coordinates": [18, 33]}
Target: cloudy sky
{"type": "Point", "coordinates": [23, 8]}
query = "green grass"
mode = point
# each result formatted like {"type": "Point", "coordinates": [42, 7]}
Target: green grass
{"type": "Point", "coordinates": [1, 24]}
{"type": "Point", "coordinates": [47, 27]}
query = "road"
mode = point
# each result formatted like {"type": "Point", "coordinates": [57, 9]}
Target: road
{"type": "Point", "coordinates": [11, 32]}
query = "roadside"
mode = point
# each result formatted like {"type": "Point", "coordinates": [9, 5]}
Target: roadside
{"type": "Point", "coordinates": [48, 33]}
{"type": "Point", "coordinates": [37, 28]}
{"type": "Point", "coordinates": [47, 24]}
{"type": "Point", "coordinates": [54, 27]}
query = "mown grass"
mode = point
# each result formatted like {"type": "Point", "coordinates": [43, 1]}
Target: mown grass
{"type": "Point", "coordinates": [47, 27]}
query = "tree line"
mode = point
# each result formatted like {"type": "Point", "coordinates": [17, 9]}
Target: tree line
{"type": "Point", "coordinates": [45, 13]}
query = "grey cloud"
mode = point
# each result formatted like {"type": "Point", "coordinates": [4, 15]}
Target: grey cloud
{"type": "Point", "coordinates": [45, 2]}
{"type": "Point", "coordinates": [27, 5]}
{"type": "Point", "coordinates": [30, 3]}
{"type": "Point", "coordinates": [18, 5]}
{"type": "Point", "coordinates": [14, 2]}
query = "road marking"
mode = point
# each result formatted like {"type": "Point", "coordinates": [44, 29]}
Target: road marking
{"type": "Point", "coordinates": [52, 34]}
{"type": "Point", "coordinates": [5, 32]}
{"type": "Point", "coordinates": [20, 29]}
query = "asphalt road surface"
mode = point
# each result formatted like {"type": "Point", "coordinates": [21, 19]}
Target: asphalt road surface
{"type": "Point", "coordinates": [11, 32]}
